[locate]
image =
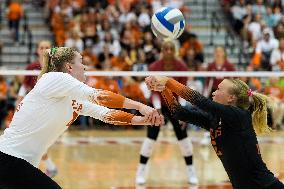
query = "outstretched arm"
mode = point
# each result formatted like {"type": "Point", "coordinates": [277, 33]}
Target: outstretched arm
{"type": "Point", "coordinates": [111, 116]}
{"type": "Point", "coordinates": [113, 100]}
{"type": "Point", "coordinates": [192, 115]}
{"type": "Point", "coordinates": [57, 85]}
{"type": "Point", "coordinates": [159, 83]}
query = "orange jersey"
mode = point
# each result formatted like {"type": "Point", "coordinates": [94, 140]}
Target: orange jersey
{"type": "Point", "coordinates": [134, 92]}
{"type": "Point", "coordinates": [3, 88]}
{"type": "Point", "coordinates": [196, 46]}
{"type": "Point", "coordinates": [103, 83]}
{"type": "Point", "coordinates": [274, 91]}
{"type": "Point", "coordinates": [119, 63]}
{"type": "Point", "coordinates": [15, 11]}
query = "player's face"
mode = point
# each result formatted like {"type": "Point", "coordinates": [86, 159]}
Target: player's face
{"type": "Point", "coordinates": [42, 46]}
{"type": "Point", "coordinates": [222, 95]}
{"type": "Point", "coordinates": [168, 50]}
{"type": "Point", "coordinates": [77, 69]}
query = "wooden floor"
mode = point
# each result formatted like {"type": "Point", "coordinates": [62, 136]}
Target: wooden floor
{"type": "Point", "coordinates": [95, 159]}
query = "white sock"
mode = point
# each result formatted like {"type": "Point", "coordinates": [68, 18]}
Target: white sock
{"type": "Point", "coordinates": [141, 169]}
{"type": "Point", "coordinates": [49, 164]}
{"type": "Point", "coordinates": [189, 167]}
{"type": "Point", "coordinates": [142, 166]}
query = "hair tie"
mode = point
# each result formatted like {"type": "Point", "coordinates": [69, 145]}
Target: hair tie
{"type": "Point", "coordinates": [53, 51]}
{"type": "Point", "coordinates": [250, 92]}
{"type": "Point", "coordinates": [51, 65]}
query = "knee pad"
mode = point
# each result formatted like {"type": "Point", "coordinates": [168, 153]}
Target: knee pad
{"type": "Point", "coordinates": [186, 147]}
{"type": "Point", "coordinates": [147, 147]}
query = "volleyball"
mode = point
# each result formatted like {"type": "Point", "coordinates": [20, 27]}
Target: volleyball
{"type": "Point", "coordinates": [167, 23]}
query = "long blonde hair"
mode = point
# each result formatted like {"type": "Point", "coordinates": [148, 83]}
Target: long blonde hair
{"type": "Point", "coordinates": [258, 106]}
{"type": "Point", "coordinates": [55, 58]}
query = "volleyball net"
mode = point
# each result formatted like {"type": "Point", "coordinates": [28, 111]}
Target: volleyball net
{"type": "Point", "coordinates": [203, 74]}
{"type": "Point", "coordinates": [130, 83]}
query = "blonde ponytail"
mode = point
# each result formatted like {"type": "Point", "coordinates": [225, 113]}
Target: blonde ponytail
{"type": "Point", "coordinates": [258, 106]}
{"type": "Point", "coordinates": [259, 113]}
{"type": "Point", "coordinates": [46, 60]}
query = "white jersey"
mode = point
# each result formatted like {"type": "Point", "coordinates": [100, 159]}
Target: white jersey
{"type": "Point", "coordinates": [45, 113]}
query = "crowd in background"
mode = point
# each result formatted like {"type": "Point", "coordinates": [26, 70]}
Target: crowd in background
{"type": "Point", "coordinates": [117, 36]}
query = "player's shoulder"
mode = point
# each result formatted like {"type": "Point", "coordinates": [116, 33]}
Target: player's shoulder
{"type": "Point", "coordinates": [59, 76]}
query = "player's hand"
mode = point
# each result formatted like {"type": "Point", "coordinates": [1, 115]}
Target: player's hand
{"type": "Point", "coordinates": [143, 120]}
{"type": "Point", "coordinates": [156, 83]}
{"type": "Point", "coordinates": [152, 115]}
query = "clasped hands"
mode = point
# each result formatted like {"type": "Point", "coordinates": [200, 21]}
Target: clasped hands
{"type": "Point", "coordinates": [151, 115]}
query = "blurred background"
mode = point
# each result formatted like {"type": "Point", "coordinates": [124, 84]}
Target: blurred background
{"type": "Point", "coordinates": [112, 35]}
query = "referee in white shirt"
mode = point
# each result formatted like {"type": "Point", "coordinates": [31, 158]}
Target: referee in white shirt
{"type": "Point", "coordinates": [57, 99]}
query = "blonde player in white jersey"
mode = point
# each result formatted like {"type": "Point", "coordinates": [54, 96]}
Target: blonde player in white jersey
{"type": "Point", "coordinates": [27, 85]}
{"type": "Point", "coordinates": [57, 99]}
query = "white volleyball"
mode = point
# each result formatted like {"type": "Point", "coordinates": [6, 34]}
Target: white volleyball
{"type": "Point", "coordinates": [167, 23]}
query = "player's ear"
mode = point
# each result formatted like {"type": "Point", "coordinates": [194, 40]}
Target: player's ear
{"type": "Point", "coordinates": [67, 67]}
{"type": "Point", "coordinates": [232, 99]}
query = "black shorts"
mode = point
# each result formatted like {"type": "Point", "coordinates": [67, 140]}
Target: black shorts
{"type": "Point", "coordinates": [17, 173]}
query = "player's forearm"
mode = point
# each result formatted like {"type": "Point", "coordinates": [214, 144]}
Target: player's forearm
{"type": "Point", "coordinates": [118, 117]}
{"type": "Point", "coordinates": [111, 116]}
{"type": "Point", "coordinates": [113, 100]}
{"type": "Point", "coordinates": [170, 100]}
{"type": "Point", "coordinates": [131, 104]}
{"type": "Point", "coordinates": [109, 99]}
{"type": "Point", "coordinates": [183, 91]}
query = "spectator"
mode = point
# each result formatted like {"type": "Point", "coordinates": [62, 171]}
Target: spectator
{"type": "Point", "coordinates": [141, 64]}
{"type": "Point", "coordinates": [272, 88]}
{"type": "Point", "coordinates": [3, 99]}
{"type": "Point", "coordinates": [65, 9]}
{"type": "Point", "coordinates": [114, 45]}
{"type": "Point", "coordinates": [106, 28]}
{"type": "Point", "coordinates": [75, 41]}
{"type": "Point", "coordinates": [239, 11]}
{"type": "Point", "coordinates": [220, 63]}
{"type": "Point", "coordinates": [276, 93]}
{"type": "Point", "coordinates": [127, 16]}
{"type": "Point", "coordinates": [192, 43]}
{"type": "Point", "coordinates": [1, 48]}
{"type": "Point", "coordinates": [276, 15]}
{"type": "Point", "coordinates": [263, 51]}
{"type": "Point", "coordinates": [144, 17]}
{"type": "Point", "coordinates": [279, 31]}
{"type": "Point", "coordinates": [277, 57]}
{"type": "Point", "coordinates": [259, 8]}
{"type": "Point", "coordinates": [88, 27]}
{"type": "Point", "coordinates": [255, 27]}
{"type": "Point", "coordinates": [15, 13]}
{"type": "Point", "coordinates": [149, 47]}
{"type": "Point", "coordinates": [88, 54]}
{"type": "Point", "coordinates": [121, 62]}
{"type": "Point", "coordinates": [131, 89]}
{"type": "Point", "coordinates": [270, 19]}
